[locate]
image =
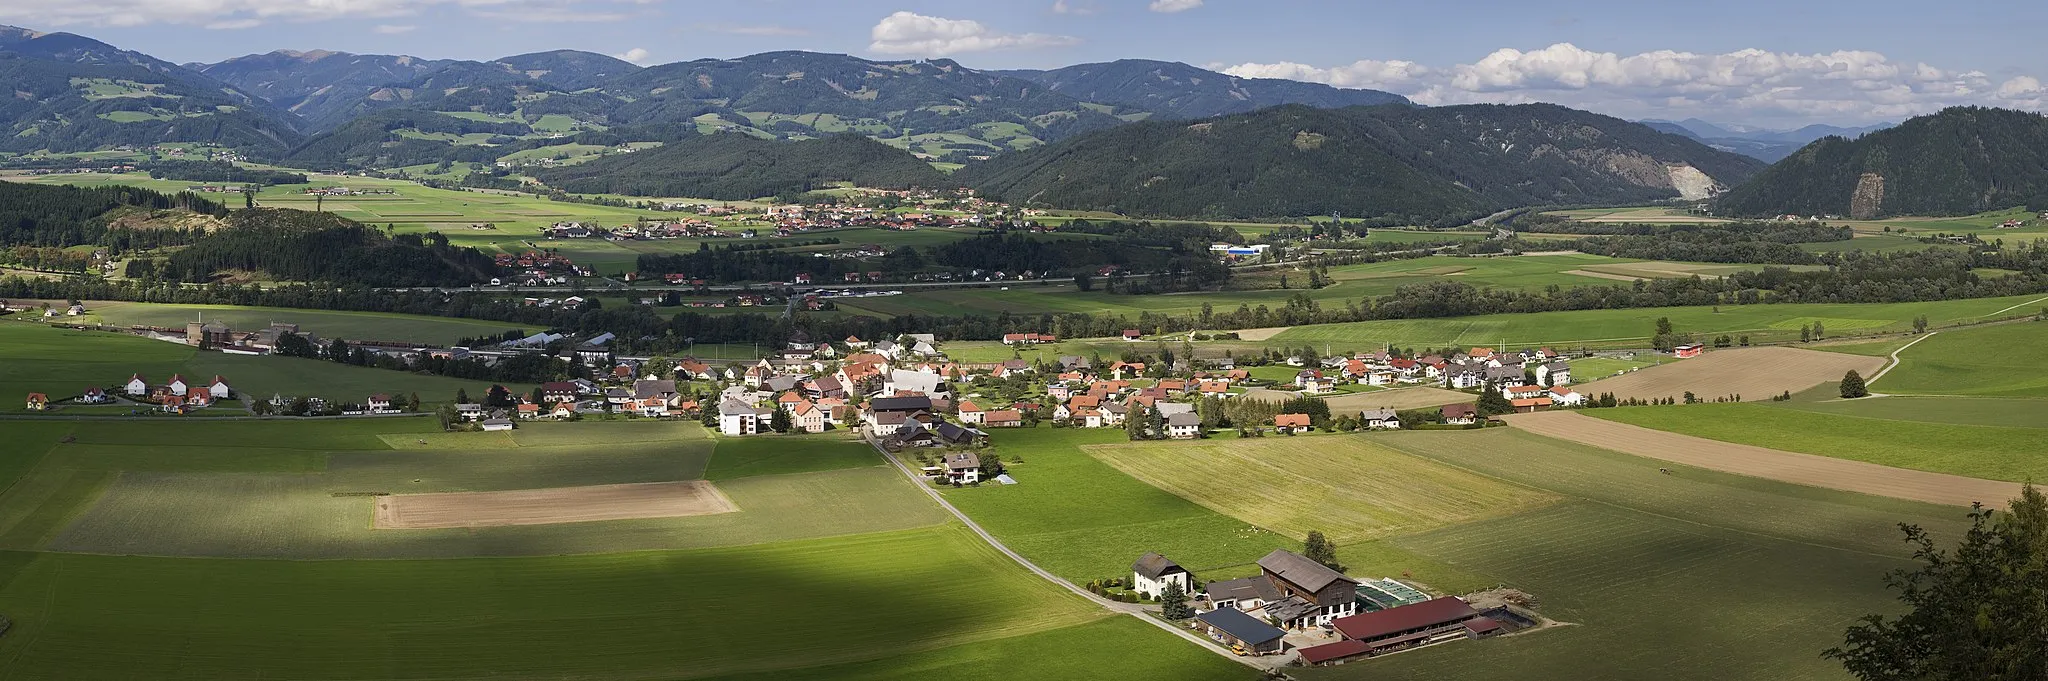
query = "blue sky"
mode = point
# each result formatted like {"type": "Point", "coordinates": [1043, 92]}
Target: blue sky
{"type": "Point", "coordinates": [1778, 63]}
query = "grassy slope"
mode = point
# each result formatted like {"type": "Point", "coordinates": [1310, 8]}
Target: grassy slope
{"type": "Point", "coordinates": [1624, 327]}
{"type": "Point", "coordinates": [1995, 453]}
{"type": "Point", "coordinates": [1083, 520]}
{"type": "Point", "coordinates": [1696, 575]}
{"type": "Point", "coordinates": [1119, 648]}
{"type": "Point", "coordinates": [239, 496]}
{"type": "Point", "coordinates": [2007, 360]}
{"type": "Point", "coordinates": [324, 323]}
{"type": "Point", "coordinates": [63, 363]}
{"type": "Point", "coordinates": [631, 615]}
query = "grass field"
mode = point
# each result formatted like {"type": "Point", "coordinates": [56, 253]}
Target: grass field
{"type": "Point", "coordinates": [627, 615]}
{"type": "Point", "coordinates": [2005, 360]}
{"type": "Point", "coordinates": [1624, 328]}
{"type": "Point", "coordinates": [1696, 575]}
{"type": "Point", "coordinates": [238, 497]}
{"type": "Point", "coordinates": [1353, 283]}
{"type": "Point", "coordinates": [63, 363]}
{"type": "Point", "coordinates": [1083, 519]}
{"type": "Point", "coordinates": [1350, 489]}
{"type": "Point", "coordinates": [323, 323]}
{"type": "Point", "coordinates": [1103, 649]}
{"type": "Point", "coordinates": [1995, 453]}
{"type": "Point", "coordinates": [1968, 411]}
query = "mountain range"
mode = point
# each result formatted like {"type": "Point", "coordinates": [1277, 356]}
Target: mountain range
{"type": "Point", "coordinates": [1764, 144]}
{"type": "Point", "coordinates": [1390, 163]}
{"type": "Point", "coordinates": [285, 100]}
{"type": "Point", "coordinates": [1960, 161]}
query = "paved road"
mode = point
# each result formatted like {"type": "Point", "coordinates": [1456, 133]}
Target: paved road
{"type": "Point", "coordinates": [1133, 609]}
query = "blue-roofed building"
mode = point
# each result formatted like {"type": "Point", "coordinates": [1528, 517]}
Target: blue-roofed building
{"type": "Point", "coordinates": [1242, 632]}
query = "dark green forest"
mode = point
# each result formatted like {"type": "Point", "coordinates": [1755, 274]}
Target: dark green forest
{"type": "Point", "coordinates": [1960, 161]}
{"type": "Point", "coordinates": [319, 247]}
{"type": "Point", "coordinates": [64, 216]}
{"type": "Point", "coordinates": [732, 167]}
{"type": "Point", "coordinates": [1390, 164]}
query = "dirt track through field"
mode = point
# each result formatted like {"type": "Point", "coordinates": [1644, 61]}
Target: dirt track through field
{"type": "Point", "coordinates": [549, 506]}
{"type": "Point", "coordinates": [1793, 467]}
{"type": "Point", "coordinates": [1753, 373]}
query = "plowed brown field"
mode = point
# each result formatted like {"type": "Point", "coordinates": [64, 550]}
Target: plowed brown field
{"type": "Point", "coordinates": [1753, 373]}
{"type": "Point", "coordinates": [1794, 467]}
{"type": "Point", "coordinates": [548, 506]}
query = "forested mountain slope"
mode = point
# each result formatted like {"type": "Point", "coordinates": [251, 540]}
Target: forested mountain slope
{"type": "Point", "coordinates": [1397, 164]}
{"type": "Point", "coordinates": [732, 166]}
{"type": "Point", "coordinates": [1960, 161]}
{"type": "Point", "coordinates": [1176, 90]}
{"type": "Point", "coordinates": [71, 93]}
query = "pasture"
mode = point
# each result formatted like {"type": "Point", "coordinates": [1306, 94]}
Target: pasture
{"type": "Point", "coordinates": [1693, 576]}
{"type": "Point", "coordinates": [1633, 327]}
{"type": "Point", "coordinates": [1350, 489]}
{"type": "Point", "coordinates": [1254, 288]}
{"type": "Point", "coordinates": [324, 323]}
{"type": "Point", "coordinates": [2003, 360]}
{"type": "Point", "coordinates": [1968, 411]}
{"type": "Point", "coordinates": [1989, 452]}
{"type": "Point", "coordinates": [1752, 373]}
{"type": "Point", "coordinates": [62, 363]}
{"type": "Point", "coordinates": [1083, 519]}
{"type": "Point", "coordinates": [647, 614]}
{"type": "Point", "coordinates": [232, 490]}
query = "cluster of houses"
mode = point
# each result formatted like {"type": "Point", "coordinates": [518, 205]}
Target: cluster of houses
{"type": "Point", "coordinates": [537, 268]}
{"type": "Point", "coordinates": [346, 191]}
{"type": "Point", "coordinates": [176, 396]}
{"type": "Point", "coordinates": [1531, 379]}
{"type": "Point", "coordinates": [1291, 594]}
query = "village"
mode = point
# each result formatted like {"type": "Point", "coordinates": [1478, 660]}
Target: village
{"type": "Point", "coordinates": [945, 419]}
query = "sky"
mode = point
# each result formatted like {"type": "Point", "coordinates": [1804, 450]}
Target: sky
{"type": "Point", "coordinates": [1764, 63]}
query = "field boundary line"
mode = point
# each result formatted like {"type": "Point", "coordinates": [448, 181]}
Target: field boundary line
{"type": "Point", "coordinates": [1895, 355]}
{"type": "Point", "coordinates": [1115, 607]}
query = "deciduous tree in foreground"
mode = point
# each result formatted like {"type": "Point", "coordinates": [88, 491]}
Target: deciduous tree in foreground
{"type": "Point", "coordinates": [1978, 613]}
{"type": "Point", "coordinates": [1853, 386]}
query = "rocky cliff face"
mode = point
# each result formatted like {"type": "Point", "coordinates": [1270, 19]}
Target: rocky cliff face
{"type": "Point", "coordinates": [1867, 202]}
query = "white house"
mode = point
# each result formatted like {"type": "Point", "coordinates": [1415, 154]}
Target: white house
{"type": "Point", "coordinates": [1183, 426]}
{"type": "Point", "coordinates": [1379, 419]}
{"type": "Point", "coordinates": [137, 387]}
{"type": "Point", "coordinates": [970, 412]}
{"type": "Point", "coordinates": [178, 386]}
{"type": "Point", "coordinates": [219, 388]}
{"type": "Point", "coordinates": [1554, 374]}
{"type": "Point", "coordinates": [1152, 572]}
{"type": "Point", "coordinates": [1565, 397]}
{"type": "Point", "coordinates": [739, 418]}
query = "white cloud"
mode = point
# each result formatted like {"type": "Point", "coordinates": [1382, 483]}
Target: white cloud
{"type": "Point", "coordinates": [1845, 86]}
{"type": "Point", "coordinates": [637, 55]}
{"type": "Point", "coordinates": [1171, 6]}
{"type": "Point", "coordinates": [393, 29]}
{"type": "Point", "coordinates": [235, 24]}
{"type": "Point", "coordinates": [926, 36]}
{"type": "Point", "coordinates": [245, 13]}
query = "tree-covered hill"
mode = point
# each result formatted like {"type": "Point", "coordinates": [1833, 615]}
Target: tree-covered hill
{"type": "Point", "coordinates": [71, 93]}
{"type": "Point", "coordinates": [1960, 161]}
{"type": "Point", "coordinates": [399, 137]}
{"type": "Point", "coordinates": [1394, 164]}
{"type": "Point", "coordinates": [295, 245]}
{"type": "Point", "coordinates": [1176, 90]}
{"type": "Point", "coordinates": [733, 166]}
{"type": "Point", "coordinates": [64, 216]}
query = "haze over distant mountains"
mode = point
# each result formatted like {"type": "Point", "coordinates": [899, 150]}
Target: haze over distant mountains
{"type": "Point", "coordinates": [1765, 144]}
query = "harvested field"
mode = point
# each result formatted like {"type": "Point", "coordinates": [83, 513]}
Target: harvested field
{"type": "Point", "coordinates": [1754, 373]}
{"type": "Point", "coordinates": [1602, 275]}
{"type": "Point", "coordinates": [549, 506]}
{"type": "Point", "coordinates": [1260, 334]}
{"type": "Point", "coordinates": [1351, 488]}
{"type": "Point", "coordinates": [1804, 469]}
{"type": "Point", "coordinates": [1403, 398]}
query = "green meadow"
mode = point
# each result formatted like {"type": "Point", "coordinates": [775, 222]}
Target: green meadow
{"type": "Point", "coordinates": [2003, 360]}
{"type": "Point", "coordinates": [62, 363]}
{"type": "Point", "coordinates": [324, 323]}
{"type": "Point", "coordinates": [102, 526]}
{"type": "Point", "coordinates": [1978, 451]}
{"type": "Point", "coordinates": [1632, 327]}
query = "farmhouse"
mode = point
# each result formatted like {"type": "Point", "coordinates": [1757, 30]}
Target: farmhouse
{"type": "Point", "coordinates": [1184, 426]}
{"type": "Point", "coordinates": [38, 402]}
{"type": "Point", "coordinates": [1291, 423]}
{"type": "Point", "coordinates": [1153, 572]}
{"type": "Point", "coordinates": [1459, 414]}
{"type": "Point", "coordinates": [1420, 624]}
{"type": "Point", "coordinates": [1295, 591]}
{"type": "Point", "coordinates": [1003, 418]}
{"type": "Point", "coordinates": [1554, 373]}
{"type": "Point", "coordinates": [1379, 419]}
{"type": "Point", "coordinates": [1243, 633]}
